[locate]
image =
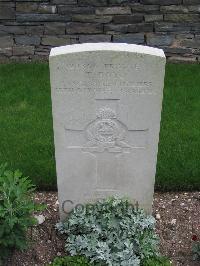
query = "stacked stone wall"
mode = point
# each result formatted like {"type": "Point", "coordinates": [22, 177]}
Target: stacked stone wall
{"type": "Point", "coordinates": [28, 29]}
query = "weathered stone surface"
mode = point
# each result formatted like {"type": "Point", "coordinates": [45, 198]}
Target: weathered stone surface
{"type": "Point", "coordinates": [29, 7]}
{"type": "Point", "coordinates": [172, 27]}
{"type": "Point", "coordinates": [181, 59]}
{"type": "Point", "coordinates": [195, 9]}
{"type": "Point", "coordinates": [94, 38]}
{"type": "Point", "coordinates": [42, 54]}
{"type": "Point", "coordinates": [76, 27]}
{"type": "Point", "coordinates": [118, 2]}
{"type": "Point", "coordinates": [152, 18]}
{"type": "Point", "coordinates": [92, 2]}
{"type": "Point", "coordinates": [40, 58]}
{"type": "Point", "coordinates": [113, 28]}
{"type": "Point", "coordinates": [33, 30]}
{"type": "Point", "coordinates": [195, 27]}
{"type": "Point", "coordinates": [64, 2]}
{"type": "Point", "coordinates": [177, 50]}
{"type": "Point", "coordinates": [190, 2]}
{"type": "Point", "coordinates": [117, 10]}
{"type": "Point", "coordinates": [57, 41]}
{"type": "Point", "coordinates": [5, 52]}
{"type": "Point", "coordinates": [43, 49]}
{"type": "Point", "coordinates": [27, 40]}
{"type": "Point", "coordinates": [69, 10]}
{"type": "Point", "coordinates": [145, 8]}
{"type": "Point", "coordinates": [182, 17]}
{"type": "Point", "coordinates": [4, 59]}
{"type": "Point", "coordinates": [195, 51]}
{"type": "Point", "coordinates": [34, 1]}
{"type": "Point", "coordinates": [6, 41]}
{"type": "Point", "coordinates": [126, 19]}
{"type": "Point", "coordinates": [184, 36]}
{"type": "Point", "coordinates": [41, 17]}
{"type": "Point", "coordinates": [23, 23]}
{"type": "Point", "coordinates": [5, 30]}
{"type": "Point", "coordinates": [54, 28]}
{"type": "Point", "coordinates": [92, 18]}
{"type": "Point", "coordinates": [159, 39]}
{"type": "Point", "coordinates": [174, 8]}
{"type": "Point", "coordinates": [21, 58]}
{"type": "Point", "coordinates": [26, 7]}
{"type": "Point", "coordinates": [161, 2]}
{"type": "Point", "coordinates": [137, 38]}
{"type": "Point", "coordinates": [141, 27]}
{"type": "Point", "coordinates": [106, 101]}
{"type": "Point", "coordinates": [192, 43]}
{"type": "Point", "coordinates": [7, 10]}
{"type": "Point", "coordinates": [47, 9]}
{"type": "Point", "coordinates": [23, 50]}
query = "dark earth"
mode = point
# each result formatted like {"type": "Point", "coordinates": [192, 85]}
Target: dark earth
{"type": "Point", "coordinates": [177, 215]}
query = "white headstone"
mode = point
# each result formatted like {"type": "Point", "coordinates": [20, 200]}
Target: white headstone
{"type": "Point", "coordinates": [107, 102]}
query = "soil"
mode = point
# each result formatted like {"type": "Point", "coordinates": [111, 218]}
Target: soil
{"type": "Point", "coordinates": [177, 215]}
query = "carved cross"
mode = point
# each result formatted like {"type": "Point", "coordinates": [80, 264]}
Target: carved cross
{"type": "Point", "coordinates": [106, 139]}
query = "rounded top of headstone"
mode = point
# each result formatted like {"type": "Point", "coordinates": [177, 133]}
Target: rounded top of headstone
{"type": "Point", "coordinates": [121, 47]}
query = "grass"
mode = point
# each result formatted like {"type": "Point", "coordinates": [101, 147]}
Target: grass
{"type": "Point", "coordinates": [26, 134]}
{"type": "Point", "coordinates": [178, 166]}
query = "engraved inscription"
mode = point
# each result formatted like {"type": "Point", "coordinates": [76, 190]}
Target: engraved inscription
{"type": "Point", "coordinates": [92, 67]}
{"type": "Point", "coordinates": [131, 88]}
{"type": "Point", "coordinates": [104, 78]}
{"type": "Point", "coordinates": [106, 133]}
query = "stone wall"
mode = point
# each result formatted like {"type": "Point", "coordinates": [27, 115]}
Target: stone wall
{"type": "Point", "coordinates": [28, 29]}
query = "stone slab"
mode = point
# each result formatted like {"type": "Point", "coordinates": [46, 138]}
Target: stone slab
{"type": "Point", "coordinates": [106, 102]}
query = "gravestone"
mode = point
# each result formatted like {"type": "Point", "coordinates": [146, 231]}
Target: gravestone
{"type": "Point", "coordinates": [106, 101]}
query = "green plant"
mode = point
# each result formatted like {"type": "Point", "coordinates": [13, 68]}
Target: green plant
{"type": "Point", "coordinates": [196, 248]}
{"type": "Point", "coordinates": [196, 251]}
{"type": "Point", "coordinates": [157, 261]}
{"type": "Point", "coordinates": [71, 261]}
{"type": "Point", "coordinates": [16, 207]}
{"type": "Point", "coordinates": [112, 232]}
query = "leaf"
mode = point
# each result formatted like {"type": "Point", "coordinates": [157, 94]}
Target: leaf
{"type": "Point", "coordinates": [16, 208]}
{"type": "Point", "coordinates": [112, 232]}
